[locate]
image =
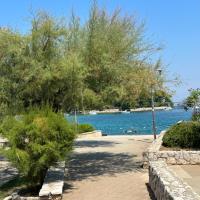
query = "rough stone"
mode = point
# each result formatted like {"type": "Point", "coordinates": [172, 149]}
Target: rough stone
{"type": "Point", "coordinates": [183, 157]}
{"type": "Point", "coordinates": [53, 183]}
{"type": "Point", "coordinates": [171, 160]}
{"type": "Point", "coordinates": [15, 196]}
{"type": "Point", "coordinates": [166, 185]}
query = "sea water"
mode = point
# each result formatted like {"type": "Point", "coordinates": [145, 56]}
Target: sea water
{"type": "Point", "coordinates": [135, 122]}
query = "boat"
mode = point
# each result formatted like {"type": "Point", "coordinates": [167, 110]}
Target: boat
{"type": "Point", "coordinates": [168, 108]}
{"type": "Point", "coordinates": [92, 112]}
{"type": "Point", "coordinates": [130, 131]}
{"type": "Point", "coordinates": [125, 112]}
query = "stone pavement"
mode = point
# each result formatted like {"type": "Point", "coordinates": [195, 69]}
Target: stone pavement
{"type": "Point", "coordinates": [108, 168]}
{"type": "Point", "coordinates": [7, 172]}
{"type": "Point", "coordinates": [190, 174]}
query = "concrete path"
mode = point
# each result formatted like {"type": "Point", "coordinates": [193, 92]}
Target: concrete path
{"type": "Point", "coordinates": [7, 172]}
{"type": "Point", "coordinates": [108, 168]}
{"type": "Point", "coordinates": [190, 174]}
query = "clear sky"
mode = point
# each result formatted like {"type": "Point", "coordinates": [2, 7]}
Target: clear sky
{"type": "Point", "coordinates": [174, 23]}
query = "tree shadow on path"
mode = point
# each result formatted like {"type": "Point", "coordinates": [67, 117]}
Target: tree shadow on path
{"type": "Point", "coordinates": [89, 165]}
{"type": "Point", "coordinates": [92, 164]}
{"type": "Point", "coordinates": [94, 143]}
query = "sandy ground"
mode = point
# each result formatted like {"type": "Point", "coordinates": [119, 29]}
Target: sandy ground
{"type": "Point", "coordinates": [108, 168]}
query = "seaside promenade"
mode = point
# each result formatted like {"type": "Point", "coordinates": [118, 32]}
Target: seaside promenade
{"type": "Point", "coordinates": [108, 167]}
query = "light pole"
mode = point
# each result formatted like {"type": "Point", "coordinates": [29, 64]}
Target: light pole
{"type": "Point", "coordinates": [153, 107]}
{"type": "Point", "coordinates": [153, 113]}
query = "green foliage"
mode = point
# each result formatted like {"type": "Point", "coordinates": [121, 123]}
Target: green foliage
{"type": "Point", "coordinates": [183, 135]}
{"type": "Point", "coordinates": [37, 139]}
{"type": "Point", "coordinates": [196, 116]}
{"type": "Point", "coordinates": [91, 100]}
{"type": "Point", "coordinates": [193, 101]}
{"type": "Point", "coordinates": [102, 63]}
{"type": "Point", "coordinates": [83, 128]}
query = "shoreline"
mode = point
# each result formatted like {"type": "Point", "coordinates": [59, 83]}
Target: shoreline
{"type": "Point", "coordinates": [113, 111]}
{"type": "Point", "coordinates": [150, 109]}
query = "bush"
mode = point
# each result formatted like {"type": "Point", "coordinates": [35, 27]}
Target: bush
{"type": "Point", "coordinates": [184, 135]}
{"type": "Point", "coordinates": [37, 139]}
{"type": "Point", "coordinates": [196, 116]}
{"type": "Point", "coordinates": [85, 128]}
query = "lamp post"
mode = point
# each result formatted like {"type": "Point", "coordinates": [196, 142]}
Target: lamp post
{"type": "Point", "coordinates": [153, 113]}
{"type": "Point", "coordinates": [153, 107]}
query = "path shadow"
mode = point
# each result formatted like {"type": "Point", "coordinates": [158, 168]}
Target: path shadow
{"type": "Point", "coordinates": [151, 194]}
{"type": "Point", "coordinates": [143, 140]}
{"type": "Point", "coordinates": [89, 165]}
{"type": "Point", "coordinates": [3, 158]}
{"type": "Point", "coordinates": [94, 143]}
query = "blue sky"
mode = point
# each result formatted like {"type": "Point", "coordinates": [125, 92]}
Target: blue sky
{"type": "Point", "coordinates": [174, 23]}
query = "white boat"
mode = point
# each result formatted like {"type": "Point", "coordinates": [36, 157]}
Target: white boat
{"type": "Point", "coordinates": [92, 112]}
{"type": "Point", "coordinates": [168, 108]}
{"type": "Point", "coordinates": [125, 112]}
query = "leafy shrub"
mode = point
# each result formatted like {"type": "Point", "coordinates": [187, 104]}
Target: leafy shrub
{"type": "Point", "coordinates": [85, 128]}
{"type": "Point", "coordinates": [37, 139]}
{"type": "Point", "coordinates": [196, 116]}
{"type": "Point", "coordinates": [184, 135]}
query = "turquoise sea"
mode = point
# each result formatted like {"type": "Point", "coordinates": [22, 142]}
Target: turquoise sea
{"type": "Point", "coordinates": [135, 122]}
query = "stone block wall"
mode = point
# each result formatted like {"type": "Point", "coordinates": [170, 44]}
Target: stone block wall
{"type": "Point", "coordinates": [166, 185]}
{"type": "Point", "coordinates": [181, 157]}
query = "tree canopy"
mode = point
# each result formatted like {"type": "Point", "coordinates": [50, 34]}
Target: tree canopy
{"type": "Point", "coordinates": [102, 63]}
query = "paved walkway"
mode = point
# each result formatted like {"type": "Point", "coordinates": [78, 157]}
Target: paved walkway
{"type": "Point", "coordinates": [7, 172]}
{"type": "Point", "coordinates": [190, 174]}
{"type": "Point", "coordinates": [108, 168]}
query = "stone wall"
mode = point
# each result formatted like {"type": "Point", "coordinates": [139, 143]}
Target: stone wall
{"type": "Point", "coordinates": [52, 187]}
{"type": "Point", "coordinates": [151, 153]}
{"type": "Point", "coordinates": [166, 185]}
{"type": "Point", "coordinates": [181, 157]}
{"type": "Point", "coordinates": [92, 134]}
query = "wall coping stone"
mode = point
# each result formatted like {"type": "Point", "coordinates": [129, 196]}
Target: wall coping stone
{"type": "Point", "coordinates": [167, 185]}
{"type": "Point", "coordinates": [53, 182]}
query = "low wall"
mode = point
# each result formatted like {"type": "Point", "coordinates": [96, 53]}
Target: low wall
{"type": "Point", "coordinates": [151, 154]}
{"type": "Point", "coordinates": [181, 157]}
{"type": "Point", "coordinates": [166, 185]}
{"type": "Point", "coordinates": [52, 187]}
{"type": "Point", "coordinates": [92, 134]}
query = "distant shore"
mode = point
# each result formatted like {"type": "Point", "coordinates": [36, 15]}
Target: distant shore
{"type": "Point", "coordinates": [107, 111]}
{"type": "Point", "coordinates": [149, 109]}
